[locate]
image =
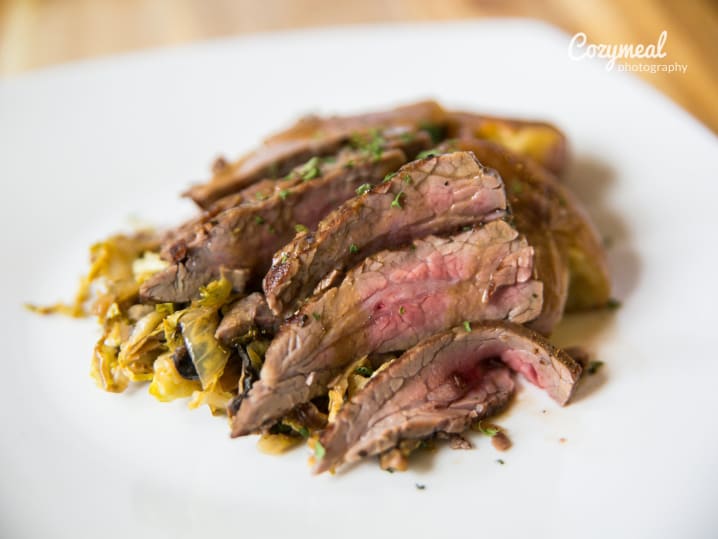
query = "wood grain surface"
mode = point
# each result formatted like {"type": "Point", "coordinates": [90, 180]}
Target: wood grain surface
{"type": "Point", "coordinates": [37, 33]}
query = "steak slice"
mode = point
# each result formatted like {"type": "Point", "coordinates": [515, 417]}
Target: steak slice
{"type": "Point", "coordinates": [569, 252]}
{"type": "Point", "coordinates": [309, 137]}
{"type": "Point", "coordinates": [428, 196]}
{"type": "Point", "coordinates": [540, 141]}
{"type": "Point", "coordinates": [389, 302]}
{"type": "Point", "coordinates": [444, 384]}
{"type": "Point", "coordinates": [247, 236]}
{"type": "Point", "coordinates": [244, 315]}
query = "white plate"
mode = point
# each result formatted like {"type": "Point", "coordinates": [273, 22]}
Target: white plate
{"type": "Point", "coordinates": [85, 147]}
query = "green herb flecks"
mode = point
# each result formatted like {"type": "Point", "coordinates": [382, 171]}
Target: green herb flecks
{"type": "Point", "coordinates": [396, 203]}
{"type": "Point", "coordinates": [300, 228]}
{"type": "Point", "coordinates": [283, 194]}
{"type": "Point", "coordinates": [363, 371]}
{"type": "Point", "coordinates": [420, 486]}
{"type": "Point", "coordinates": [467, 326]}
{"type": "Point", "coordinates": [436, 132]}
{"type": "Point", "coordinates": [406, 178]}
{"type": "Point", "coordinates": [363, 189]}
{"type": "Point", "coordinates": [402, 310]}
{"type": "Point", "coordinates": [487, 431]}
{"type": "Point", "coordinates": [353, 249]}
{"type": "Point", "coordinates": [284, 258]}
{"type": "Point", "coordinates": [371, 143]}
{"type": "Point", "coordinates": [613, 304]}
{"type": "Point", "coordinates": [310, 169]}
{"type": "Point", "coordinates": [303, 432]}
{"type": "Point", "coordinates": [388, 177]}
{"type": "Point", "coordinates": [317, 316]}
{"type": "Point", "coordinates": [427, 153]}
{"type": "Point", "coordinates": [258, 219]}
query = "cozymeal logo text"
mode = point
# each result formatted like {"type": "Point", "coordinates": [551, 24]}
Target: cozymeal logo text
{"type": "Point", "coordinates": [579, 48]}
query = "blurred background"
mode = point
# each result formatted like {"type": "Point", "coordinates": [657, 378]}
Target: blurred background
{"type": "Point", "coordinates": [40, 33]}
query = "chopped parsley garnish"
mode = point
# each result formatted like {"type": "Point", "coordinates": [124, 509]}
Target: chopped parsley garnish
{"type": "Point", "coordinates": [594, 366]}
{"type": "Point", "coordinates": [310, 169]}
{"type": "Point", "coordinates": [283, 194]}
{"type": "Point", "coordinates": [259, 195]}
{"type": "Point", "coordinates": [419, 486]}
{"type": "Point", "coordinates": [284, 258]}
{"type": "Point", "coordinates": [363, 371]}
{"type": "Point", "coordinates": [613, 304]}
{"type": "Point", "coordinates": [319, 450]}
{"type": "Point", "coordinates": [329, 159]}
{"type": "Point", "coordinates": [406, 178]}
{"type": "Point", "coordinates": [349, 164]}
{"type": "Point", "coordinates": [407, 137]}
{"type": "Point", "coordinates": [353, 249]}
{"type": "Point", "coordinates": [466, 228]}
{"type": "Point", "coordinates": [402, 310]}
{"type": "Point", "coordinates": [303, 432]}
{"type": "Point", "coordinates": [317, 316]}
{"type": "Point", "coordinates": [500, 461]}
{"type": "Point", "coordinates": [258, 219]}
{"type": "Point", "coordinates": [363, 189]}
{"type": "Point", "coordinates": [427, 153]}
{"type": "Point", "coordinates": [396, 203]}
{"type": "Point", "coordinates": [373, 146]}
{"type": "Point", "coordinates": [436, 132]}
{"type": "Point", "coordinates": [389, 176]}
{"type": "Point", "coordinates": [488, 431]}
{"type": "Point", "coordinates": [300, 228]}
{"type": "Point", "coordinates": [467, 326]}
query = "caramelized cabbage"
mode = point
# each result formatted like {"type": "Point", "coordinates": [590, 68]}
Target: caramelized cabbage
{"type": "Point", "coordinates": [167, 384]}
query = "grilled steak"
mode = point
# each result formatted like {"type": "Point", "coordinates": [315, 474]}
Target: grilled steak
{"type": "Point", "coordinates": [389, 302]}
{"type": "Point", "coordinates": [428, 196]}
{"type": "Point", "coordinates": [247, 236]}
{"type": "Point", "coordinates": [245, 314]}
{"type": "Point", "coordinates": [311, 136]}
{"type": "Point", "coordinates": [444, 384]}
{"type": "Point", "coordinates": [569, 254]}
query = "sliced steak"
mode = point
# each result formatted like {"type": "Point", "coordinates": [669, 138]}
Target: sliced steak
{"type": "Point", "coordinates": [311, 136]}
{"type": "Point", "coordinates": [444, 384]}
{"type": "Point", "coordinates": [245, 314]}
{"type": "Point", "coordinates": [247, 236]}
{"type": "Point", "coordinates": [540, 141]}
{"type": "Point", "coordinates": [569, 253]}
{"type": "Point", "coordinates": [389, 302]}
{"type": "Point", "coordinates": [428, 196]}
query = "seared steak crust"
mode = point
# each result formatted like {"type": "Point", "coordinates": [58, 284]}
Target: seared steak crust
{"type": "Point", "coordinates": [427, 196]}
{"type": "Point", "coordinates": [309, 137]}
{"type": "Point", "coordinates": [389, 302]}
{"type": "Point", "coordinates": [247, 236]}
{"type": "Point", "coordinates": [444, 384]}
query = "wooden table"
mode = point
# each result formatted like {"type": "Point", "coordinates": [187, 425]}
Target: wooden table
{"type": "Point", "coordinates": [37, 33]}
